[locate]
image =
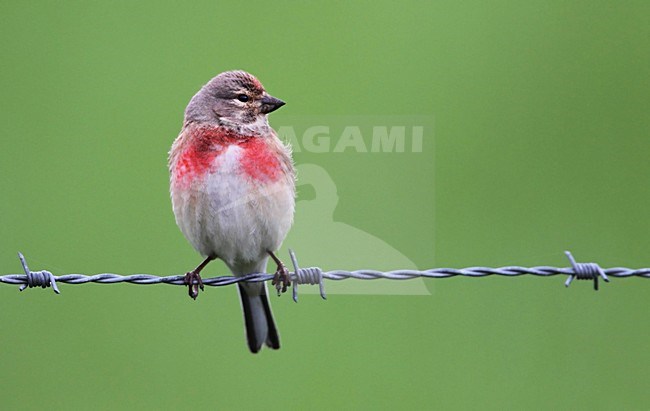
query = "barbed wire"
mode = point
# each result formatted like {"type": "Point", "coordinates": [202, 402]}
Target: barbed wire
{"type": "Point", "coordinates": [314, 275]}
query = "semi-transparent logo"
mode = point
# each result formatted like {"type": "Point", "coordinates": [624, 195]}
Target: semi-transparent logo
{"type": "Point", "coordinates": [316, 235]}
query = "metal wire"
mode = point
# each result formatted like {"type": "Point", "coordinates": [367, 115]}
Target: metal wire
{"type": "Point", "coordinates": [314, 275]}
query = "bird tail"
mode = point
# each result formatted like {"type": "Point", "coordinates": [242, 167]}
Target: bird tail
{"type": "Point", "coordinates": [260, 326]}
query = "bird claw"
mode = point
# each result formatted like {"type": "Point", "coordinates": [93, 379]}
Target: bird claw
{"type": "Point", "coordinates": [281, 279]}
{"type": "Point", "coordinates": [194, 282]}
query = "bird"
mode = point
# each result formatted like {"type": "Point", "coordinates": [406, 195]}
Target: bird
{"type": "Point", "coordinates": [232, 187]}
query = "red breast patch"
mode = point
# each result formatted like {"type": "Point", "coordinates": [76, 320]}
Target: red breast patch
{"type": "Point", "coordinates": [201, 151]}
{"type": "Point", "coordinates": [259, 161]}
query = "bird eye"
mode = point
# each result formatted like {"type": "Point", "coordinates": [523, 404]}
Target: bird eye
{"type": "Point", "coordinates": [242, 97]}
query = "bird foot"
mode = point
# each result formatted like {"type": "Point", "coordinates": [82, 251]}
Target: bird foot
{"type": "Point", "coordinates": [281, 279]}
{"type": "Point", "coordinates": [194, 282]}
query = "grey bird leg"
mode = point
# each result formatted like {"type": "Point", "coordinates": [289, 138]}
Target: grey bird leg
{"type": "Point", "coordinates": [281, 278]}
{"type": "Point", "coordinates": [195, 275]}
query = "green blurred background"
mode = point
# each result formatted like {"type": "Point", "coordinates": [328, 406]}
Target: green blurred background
{"type": "Point", "coordinates": [539, 144]}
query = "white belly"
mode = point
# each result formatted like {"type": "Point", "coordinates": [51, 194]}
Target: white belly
{"type": "Point", "coordinates": [232, 217]}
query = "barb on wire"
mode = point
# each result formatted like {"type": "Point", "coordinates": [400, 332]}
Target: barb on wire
{"type": "Point", "coordinates": [35, 278]}
{"type": "Point", "coordinates": [311, 275]}
{"type": "Point", "coordinates": [314, 275]}
{"type": "Point", "coordinates": [585, 271]}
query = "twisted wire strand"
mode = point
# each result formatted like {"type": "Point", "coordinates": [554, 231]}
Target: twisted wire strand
{"type": "Point", "coordinates": [314, 275]}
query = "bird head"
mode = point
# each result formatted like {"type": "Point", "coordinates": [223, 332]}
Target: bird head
{"type": "Point", "coordinates": [233, 98]}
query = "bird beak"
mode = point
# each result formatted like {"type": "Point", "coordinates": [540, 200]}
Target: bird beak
{"type": "Point", "coordinates": [270, 103]}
